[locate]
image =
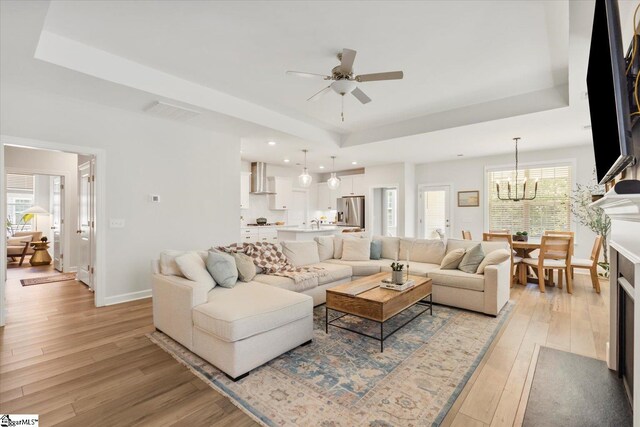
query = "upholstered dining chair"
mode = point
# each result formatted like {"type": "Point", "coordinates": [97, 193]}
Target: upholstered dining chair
{"type": "Point", "coordinates": [555, 254]}
{"type": "Point", "coordinates": [466, 235]}
{"type": "Point", "coordinates": [590, 264]}
{"type": "Point", "coordinates": [515, 260]}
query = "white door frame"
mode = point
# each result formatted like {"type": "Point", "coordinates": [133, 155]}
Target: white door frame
{"type": "Point", "coordinates": [100, 198]}
{"type": "Point", "coordinates": [425, 187]}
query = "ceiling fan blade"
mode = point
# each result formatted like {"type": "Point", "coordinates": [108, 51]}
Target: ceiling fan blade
{"type": "Point", "coordinates": [346, 64]}
{"type": "Point", "coordinates": [319, 94]}
{"type": "Point", "coordinates": [391, 75]}
{"type": "Point", "coordinates": [308, 75]}
{"type": "Point", "coordinates": [360, 96]}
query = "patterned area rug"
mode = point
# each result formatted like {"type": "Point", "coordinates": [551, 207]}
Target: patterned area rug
{"type": "Point", "coordinates": [48, 279]}
{"type": "Point", "coordinates": [342, 379]}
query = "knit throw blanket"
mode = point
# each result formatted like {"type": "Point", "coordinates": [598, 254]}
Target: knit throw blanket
{"type": "Point", "coordinates": [270, 258]}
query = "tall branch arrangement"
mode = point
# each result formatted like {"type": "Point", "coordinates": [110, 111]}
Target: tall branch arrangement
{"type": "Point", "coordinates": [589, 216]}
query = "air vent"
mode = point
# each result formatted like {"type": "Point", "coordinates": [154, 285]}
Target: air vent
{"type": "Point", "coordinates": [173, 112]}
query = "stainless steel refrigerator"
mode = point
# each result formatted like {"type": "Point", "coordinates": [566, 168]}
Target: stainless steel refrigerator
{"type": "Point", "coordinates": [351, 211]}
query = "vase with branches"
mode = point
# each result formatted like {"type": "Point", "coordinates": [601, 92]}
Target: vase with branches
{"type": "Point", "coordinates": [590, 216]}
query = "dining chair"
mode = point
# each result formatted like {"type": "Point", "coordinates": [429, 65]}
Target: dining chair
{"type": "Point", "coordinates": [554, 255]}
{"type": "Point", "coordinates": [466, 235]}
{"type": "Point", "coordinates": [515, 260]}
{"type": "Point", "coordinates": [562, 233]}
{"type": "Point", "coordinates": [500, 231]}
{"type": "Point", "coordinates": [590, 264]}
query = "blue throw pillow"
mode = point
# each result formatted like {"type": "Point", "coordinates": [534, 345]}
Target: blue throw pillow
{"type": "Point", "coordinates": [376, 249]}
{"type": "Point", "coordinates": [222, 268]}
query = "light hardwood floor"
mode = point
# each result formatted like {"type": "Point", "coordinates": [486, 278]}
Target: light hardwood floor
{"type": "Point", "coordinates": [78, 365]}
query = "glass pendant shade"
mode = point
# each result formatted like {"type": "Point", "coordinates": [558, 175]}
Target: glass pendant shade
{"type": "Point", "coordinates": [334, 182]}
{"type": "Point", "coordinates": [305, 179]}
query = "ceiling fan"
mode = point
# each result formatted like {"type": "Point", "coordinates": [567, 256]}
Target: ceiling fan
{"type": "Point", "coordinates": [344, 81]}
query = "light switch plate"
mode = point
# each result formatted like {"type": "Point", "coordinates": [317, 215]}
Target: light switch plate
{"type": "Point", "coordinates": [116, 223]}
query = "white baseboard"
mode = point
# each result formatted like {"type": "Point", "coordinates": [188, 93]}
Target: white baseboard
{"type": "Point", "coordinates": [131, 296]}
{"type": "Point", "coordinates": [69, 269]}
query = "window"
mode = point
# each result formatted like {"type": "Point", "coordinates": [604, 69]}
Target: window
{"type": "Point", "coordinates": [20, 197]}
{"type": "Point", "coordinates": [390, 211]}
{"type": "Point", "coordinates": [548, 211]}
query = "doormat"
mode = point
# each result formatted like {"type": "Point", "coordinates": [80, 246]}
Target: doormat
{"type": "Point", "coordinates": [574, 391]}
{"type": "Point", "coordinates": [48, 279]}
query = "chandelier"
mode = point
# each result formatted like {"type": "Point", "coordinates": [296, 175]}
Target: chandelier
{"type": "Point", "coordinates": [334, 182]}
{"type": "Point", "coordinates": [516, 196]}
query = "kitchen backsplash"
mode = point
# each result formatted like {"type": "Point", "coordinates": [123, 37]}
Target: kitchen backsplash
{"type": "Point", "coordinates": [259, 207]}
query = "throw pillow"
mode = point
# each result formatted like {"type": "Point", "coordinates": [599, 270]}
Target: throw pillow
{"type": "Point", "coordinates": [406, 246]}
{"type": "Point", "coordinates": [451, 261]}
{"type": "Point", "coordinates": [222, 268]}
{"type": "Point", "coordinates": [356, 250]}
{"type": "Point", "coordinates": [390, 246]}
{"type": "Point", "coordinates": [471, 259]}
{"type": "Point", "coordinates": [168, 266]}
{"type": "Point", "coordinates": [376, 249]}
{"type": "Point", "coordinates": [337, 244]}
{"type": "Point", "coordinates": [301, 253]}
{"type": "Point", "coordinates": [325, 247]}
{"type": "Point", "coordinates": [192, 267]}
{"type": "Point", "coordinates": [246, 267]}
{"type": "Point", "coordinates": [493, 258]}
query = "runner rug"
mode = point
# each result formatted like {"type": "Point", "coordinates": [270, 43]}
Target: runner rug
{"type": "Point", "coordinates": [48, 279]}
{"type": "Point", "coordinates": [342, 379]}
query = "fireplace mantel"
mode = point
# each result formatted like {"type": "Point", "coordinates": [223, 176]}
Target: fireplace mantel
{"type": "Point", "coordinates": [623, 207]}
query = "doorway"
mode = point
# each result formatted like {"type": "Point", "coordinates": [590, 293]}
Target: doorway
{"type": "Point", "coordinates": [385, 211]}
{"type": "Point", "coordinates": [435, 211]}
{"type": "Point", "coordinates": [65, 239]}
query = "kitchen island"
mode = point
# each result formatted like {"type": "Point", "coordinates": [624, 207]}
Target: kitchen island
{"type": "Point", "coordinates": [306, 233]}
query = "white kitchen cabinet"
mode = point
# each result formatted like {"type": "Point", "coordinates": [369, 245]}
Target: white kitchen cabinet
{"type": "Point", "coordinates": [245, 189]}
{"type": "Point", "coordinates": [351, 185]}
{"type": "Point", "coordinates": [326, 197]}
{"type": "Point", "coordinates": [282, 187]}
{"type": "Point", "coordinates": [358, 187]}
{"type": "Point", "coordinates": [259, 234]}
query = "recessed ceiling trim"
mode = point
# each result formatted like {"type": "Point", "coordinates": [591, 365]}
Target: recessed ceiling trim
{"type": "Point", "coordinates": [86, 59]}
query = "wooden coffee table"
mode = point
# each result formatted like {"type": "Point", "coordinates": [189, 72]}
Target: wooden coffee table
{"type": "Point", "coordinates": [366, 299]}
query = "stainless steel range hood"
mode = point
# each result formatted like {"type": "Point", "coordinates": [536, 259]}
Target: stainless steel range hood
{"type": "Point", "coordinates": [259, 178]}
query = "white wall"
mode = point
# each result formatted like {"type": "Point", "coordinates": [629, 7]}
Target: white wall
{"type": "Point", "coordinates": [55, 163]}
{"type": "Point", "coordinates": [195, 172]}
{"type": "Point", "coordinates": [469, 174]}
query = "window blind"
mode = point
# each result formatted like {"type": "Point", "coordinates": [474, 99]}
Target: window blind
{"type": "Point", "coordinates": [548, 211]}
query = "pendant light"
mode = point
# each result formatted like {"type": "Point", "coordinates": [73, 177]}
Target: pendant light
{"type": "Point", "coordinates": [517, 196]}
{"type": "Point", "coordinates": [334, 182]}
{"type": "Point", "coordinates": [305, 179]}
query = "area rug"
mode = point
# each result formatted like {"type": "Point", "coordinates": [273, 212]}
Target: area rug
{"type": "Point", "coordinates": [48, 279]}
{"type": "Point", "coordinates": [573, 391]}
{"type": "Point", "coordinates": [342, 378]}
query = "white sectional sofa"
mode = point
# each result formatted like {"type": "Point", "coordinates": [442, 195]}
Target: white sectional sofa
{"type": "Point", "coordinates": [238, 329]}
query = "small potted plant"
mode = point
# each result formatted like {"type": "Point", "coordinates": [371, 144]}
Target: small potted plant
{"type": "Point", "coordinates": [521, 236]}
{"type": "Point", "coordinates": [396, 273]}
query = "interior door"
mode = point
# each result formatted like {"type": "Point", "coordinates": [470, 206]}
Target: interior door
{"type": "Point", "coordinates": [57, 221]}
{"type": "Point", "coordinates": [435, 211]}
{"type": "Point", "coordinates": [85, 223]}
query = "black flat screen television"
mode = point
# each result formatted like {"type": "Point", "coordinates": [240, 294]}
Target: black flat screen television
{"type": "Point", "coordinates": [609, 94]}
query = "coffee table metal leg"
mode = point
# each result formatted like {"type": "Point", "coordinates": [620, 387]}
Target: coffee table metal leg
{"type": "Point", "coordinates": [381, 337]}
{"type": "Point", "coordinates": [326, 319]}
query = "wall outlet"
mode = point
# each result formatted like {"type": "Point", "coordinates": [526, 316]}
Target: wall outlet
{"type": "Point", "coordinates": [116, 223]}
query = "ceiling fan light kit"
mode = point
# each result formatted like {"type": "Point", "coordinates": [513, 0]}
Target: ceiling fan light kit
{"type": "Point", "coordinates": [304, 180]}
{"type": "Point", "coordinates": [344, 82]}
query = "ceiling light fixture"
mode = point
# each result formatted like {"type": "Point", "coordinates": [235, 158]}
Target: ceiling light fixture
{"type": "Point", "coordinates": [272, 143]}
{"type": "Point", "coordinates": [305, 179]}
{"type": "Point", "coordinates": [334, 182]}
{"type": "Point", "coordinates": [516, 197]}
{"type": "Point", "coordinates": [287, 160]}
{"type": "Point", "coordinates": [354, 163]}
{"type": "Point", "coordinates": [321, 167]}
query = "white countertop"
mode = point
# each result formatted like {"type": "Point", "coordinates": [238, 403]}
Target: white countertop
{"type": "Point", "coordinates": [308, 230]}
